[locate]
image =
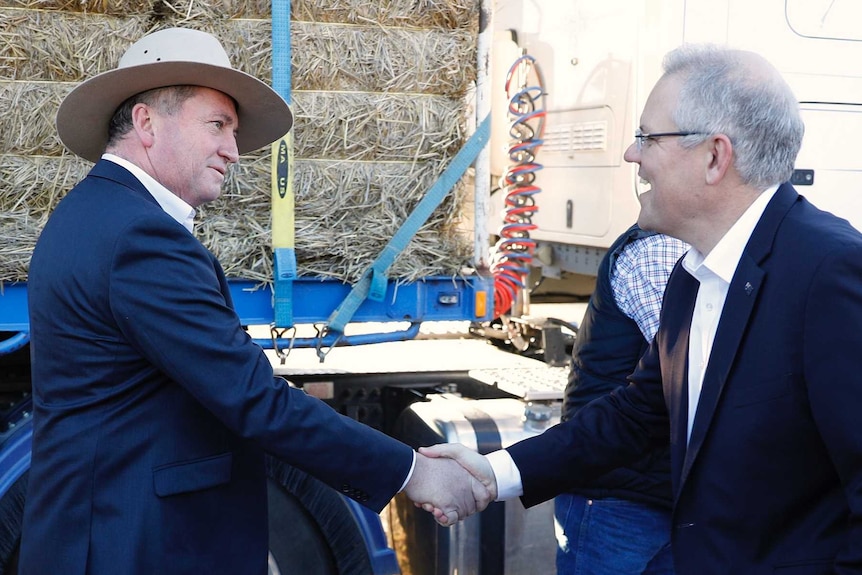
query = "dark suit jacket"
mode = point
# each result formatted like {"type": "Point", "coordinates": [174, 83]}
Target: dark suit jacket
{"type": "Point", "coordinates": [153, 407]}
{"type": "Point", "coordinates": [771, 480]}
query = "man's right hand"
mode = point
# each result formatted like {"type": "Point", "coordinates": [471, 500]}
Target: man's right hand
{"type": "Point", "coordinates": [446, 489]}
{"type": "Point", "coordinates": [476, 464]}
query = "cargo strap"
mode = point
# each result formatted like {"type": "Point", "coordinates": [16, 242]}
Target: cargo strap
{"type": "Point", "coordinates": [373, 282]}
{"type": "Point", "coordinates": [283, 223]}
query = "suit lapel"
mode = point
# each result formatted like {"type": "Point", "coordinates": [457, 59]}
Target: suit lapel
{"type": "Point", "coordinates": [742, 296]}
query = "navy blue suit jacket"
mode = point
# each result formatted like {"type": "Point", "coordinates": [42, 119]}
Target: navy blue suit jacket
{"type": "Point", "coordinates": [153, 407]}
{"type": "Point", "coordinates": [771, 479]}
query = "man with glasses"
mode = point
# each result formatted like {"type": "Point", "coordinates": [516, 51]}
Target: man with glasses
{"type": "Point", "coordinates": [753, 376]}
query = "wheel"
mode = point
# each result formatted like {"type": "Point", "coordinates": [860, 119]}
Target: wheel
{"type": "Point", "coordinates": [311, 529]}
{"type": "Point", "coordinates": [294, 550]}
{"type": "Point", "coordinates": [11, 516]}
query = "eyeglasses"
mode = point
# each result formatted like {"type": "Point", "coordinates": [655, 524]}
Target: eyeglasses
{"type": "Point", "coordinates": [640, 137]}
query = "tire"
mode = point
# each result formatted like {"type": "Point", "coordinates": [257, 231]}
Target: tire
{"type": "Point", "coordinates": [11, 517]}
{"type": "Point", "coordinates": [311, 529]}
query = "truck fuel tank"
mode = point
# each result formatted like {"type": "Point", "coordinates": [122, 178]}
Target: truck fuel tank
{"type": "Point", "coordinates": [505, 538]}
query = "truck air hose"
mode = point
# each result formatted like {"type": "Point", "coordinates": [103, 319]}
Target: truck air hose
{"type": "Point", "coordinates": [513, 252]}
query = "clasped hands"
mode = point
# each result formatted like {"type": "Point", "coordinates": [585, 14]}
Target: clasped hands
{"type": "Point", "coordinates": [451, 482]}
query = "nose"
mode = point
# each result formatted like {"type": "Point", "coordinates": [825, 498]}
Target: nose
{"type": "Point", "coordinates": [632, 154]}
{"type": "Point", "coordinates": [229, 150]}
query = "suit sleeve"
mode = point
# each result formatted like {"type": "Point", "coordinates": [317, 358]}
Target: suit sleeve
{"type": "Point", "coordinates": [610, 432]}
{"type": "Point", "coordinates": [166, 297]}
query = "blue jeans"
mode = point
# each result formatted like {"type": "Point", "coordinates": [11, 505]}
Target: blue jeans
{"type": "Point", "coordinates": [611, 537]}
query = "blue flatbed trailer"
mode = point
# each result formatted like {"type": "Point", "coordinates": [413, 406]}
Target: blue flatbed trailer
{"type": "Point", "coordinates": [313, 301]}
{"type": "Point", "coordinates": [430, 299]}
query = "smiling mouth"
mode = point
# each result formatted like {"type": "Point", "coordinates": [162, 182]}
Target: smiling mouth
{"type": "Point", "coordinates": [643, 186]}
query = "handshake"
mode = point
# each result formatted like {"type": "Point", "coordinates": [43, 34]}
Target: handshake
{"type": "Point", "coordinates": [451, 482]}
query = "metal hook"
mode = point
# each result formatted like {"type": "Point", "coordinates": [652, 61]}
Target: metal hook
{"type": "Point", "coordinates": [319, 348]}
{"type": "Point", "coordinates": [277, 333]}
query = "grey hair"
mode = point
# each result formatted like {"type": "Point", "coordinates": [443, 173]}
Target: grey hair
{"type": "Point", "coordinates": [740, 95]}
{"type": "Point", "coordinates": [166, 100]}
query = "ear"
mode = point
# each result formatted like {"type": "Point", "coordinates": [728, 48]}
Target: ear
{"type": "Point", "coordinates": [720, 159]}
{"type": "Point", "coordinates": [143, 122]}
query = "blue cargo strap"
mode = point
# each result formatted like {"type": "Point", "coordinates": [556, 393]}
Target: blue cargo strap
{"type": "Point", "coordinates": [284, 253]}
{"type": "Point", "coordinates": [373, 282]}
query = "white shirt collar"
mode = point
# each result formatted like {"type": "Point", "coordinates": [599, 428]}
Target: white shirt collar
{"type": "Point", "coordinates": [725, 256]}
{"type": "Point", "coordinates": [175, 206]}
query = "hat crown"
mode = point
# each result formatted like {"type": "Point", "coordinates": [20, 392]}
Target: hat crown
{"type": "Point", "coordinates": [176, 45]}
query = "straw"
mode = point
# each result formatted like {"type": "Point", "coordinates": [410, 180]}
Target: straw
{"type": "Point", "coordinates": [379, 95]}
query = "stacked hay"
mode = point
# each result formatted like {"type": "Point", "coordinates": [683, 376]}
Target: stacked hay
{"type": "Point", "coordinates": [379, 97]}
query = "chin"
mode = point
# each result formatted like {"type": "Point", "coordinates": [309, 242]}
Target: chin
{"type": "Point", "coordinates": [647, 223]}
{"type": "Point", "coordinates": [650, 214]}
{"type": "Point", "coordinates": [211, 197]}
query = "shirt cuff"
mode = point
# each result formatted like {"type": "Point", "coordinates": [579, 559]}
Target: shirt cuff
{"type": "Point", "coordinates": [507, 475]}
{"type": "Point", "coordinates": [409, 473]}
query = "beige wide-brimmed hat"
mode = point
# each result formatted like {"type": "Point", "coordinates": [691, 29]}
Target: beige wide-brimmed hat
{"type": "Point", "coordinates": [170, 57]}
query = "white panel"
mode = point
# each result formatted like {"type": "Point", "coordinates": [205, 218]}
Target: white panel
{"type": "Point", "coordinates": [837, 169]}
{"type": "Point", "coordinates": [828, 19]}
{"type": "Point", "coordinates": [601, 58]}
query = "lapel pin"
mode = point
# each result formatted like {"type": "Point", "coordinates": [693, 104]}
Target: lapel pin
{"type": "Point", "coordinates": [748, 288]}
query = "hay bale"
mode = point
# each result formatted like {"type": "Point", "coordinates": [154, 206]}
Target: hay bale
{"type": "Point", "coordinates": [18, 234]}
{"type": "Point", "coordinates": [30, 187]}
{"type": "Point", "coordinates": [378, 94]}
{"type": "Point", "coordinates": [368, 59]}
{"type": "Point", "coordinates": [27, 124]}
{"type": "Point", "coordinates": [444, 14]}
{"type": "Point", "coordinates": [109, 7]}
{"type": "Point", "coordinates": [71, 47]}
{"type": "Point", "coordinates": [376, 127]}
{"type": "Point", "coordinates": [36, 183]}
{"type": "Point", "coordinates": [339, 231]}
{"type": "Point", "coordinates": [45, 46]}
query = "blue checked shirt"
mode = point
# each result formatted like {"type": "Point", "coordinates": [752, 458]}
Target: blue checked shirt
{"type": "Point", "coordinates": [640, 276]}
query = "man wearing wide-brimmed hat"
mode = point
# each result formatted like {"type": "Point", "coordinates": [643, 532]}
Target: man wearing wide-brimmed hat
{"type": "Point", "coordinates": [152, 407]}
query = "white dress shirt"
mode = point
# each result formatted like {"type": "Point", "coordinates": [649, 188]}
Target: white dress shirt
{"type": "Point", "coordinates": [714, 272]}
{"type": "Point", "coordinates": [175, 206]}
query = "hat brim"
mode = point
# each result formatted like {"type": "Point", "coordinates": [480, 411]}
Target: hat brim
{"type": "Point", "coordinates": [85, 113]}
